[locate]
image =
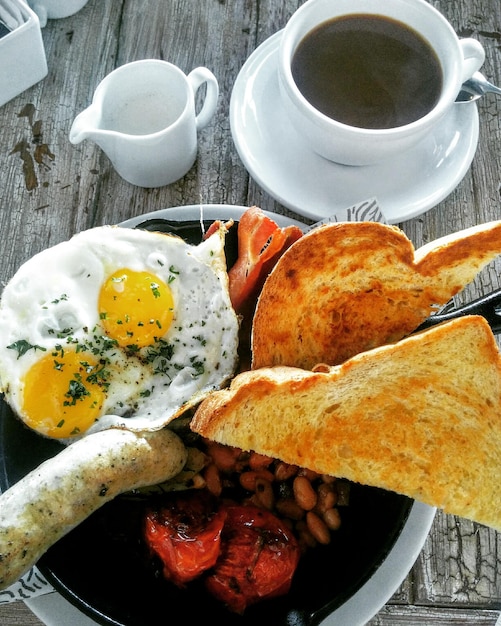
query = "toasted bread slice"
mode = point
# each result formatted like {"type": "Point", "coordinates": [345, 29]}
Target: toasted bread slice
{"type": "Point", "coordinates": [348, 287]}
{"type": "Point", "coordinates": [421, 417]}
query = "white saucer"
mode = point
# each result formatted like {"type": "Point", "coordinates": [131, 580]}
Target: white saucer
{"type": "Point", "coordinates": [282, 164]}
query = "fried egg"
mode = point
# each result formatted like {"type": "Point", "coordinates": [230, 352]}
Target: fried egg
{"type": "Point", "coordinates": [116, 327]}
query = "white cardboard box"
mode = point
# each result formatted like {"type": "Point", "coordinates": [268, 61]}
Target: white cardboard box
{"type": "Point", "coordinates": [22, 55]}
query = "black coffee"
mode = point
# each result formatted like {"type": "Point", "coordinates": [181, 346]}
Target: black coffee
{"type": "Point", "coordinates": [368, 71]}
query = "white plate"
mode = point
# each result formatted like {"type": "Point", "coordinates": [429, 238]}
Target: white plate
{"type": "Point", "coordinates": [282, 164]}
{"type": "Point", "coordinates": [54, 610]}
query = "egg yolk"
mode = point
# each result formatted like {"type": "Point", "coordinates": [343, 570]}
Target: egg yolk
{"type": "Point", "coordinates": [63, 394]}
{"type": "Point", "coordinates": [135, 308]}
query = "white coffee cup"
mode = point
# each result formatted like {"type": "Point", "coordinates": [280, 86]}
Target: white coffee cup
{"type": "Point", "coordinates": [350, 145]}
{"type": "Point", "coordinates": [55, 9]}
{"type": "Point", "coordinates": [143, 117]}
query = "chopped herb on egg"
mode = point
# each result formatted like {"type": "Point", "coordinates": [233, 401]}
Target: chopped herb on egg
{"type": "Point", "coordinates": [201, 339]}
{"type": "Point", "coordinates": [160, 354]}
{"type": "Point", "coordinates": [174, 272]}
{"type": "Point", "coordinates": [155, 290]}
{"type": "Point", "coordinates": [60, 334]}
{"type": "Point", "coordinates": [62, 298]}
{"type": "Point", "coordinates": [198, 366]}
{"type": "Point", "coordinates": [99, 377]}
{"type": "Point", "coordinates": [161, 349]}
{"type": "Point", "coordinates": [22, 346]}
{"type": "Point", "coordinates": [76, 391]}
{"type": "Point", "coordinates": [101, 344]}
{"type": "Point", "coordinates": [58, 350]}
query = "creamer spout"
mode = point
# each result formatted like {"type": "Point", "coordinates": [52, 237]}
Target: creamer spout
{"type": "Point", "coordinates": [85, 125]}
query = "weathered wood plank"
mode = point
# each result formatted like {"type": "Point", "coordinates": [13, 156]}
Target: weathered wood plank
{"type": "Point", "coordinates": [415, 616]}
{"type": "Point", "coordinates": [392, 615]}
{"type": "Point", "coordinates": [46, 194]}
{"type": "Point", "coordinates": [459, 565]}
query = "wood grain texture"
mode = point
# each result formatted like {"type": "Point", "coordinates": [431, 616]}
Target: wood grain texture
{"type": "Point", "coordinates": [50, 189]}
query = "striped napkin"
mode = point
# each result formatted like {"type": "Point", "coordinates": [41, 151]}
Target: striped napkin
{"type": "Point", "coordinates": [31, 585]}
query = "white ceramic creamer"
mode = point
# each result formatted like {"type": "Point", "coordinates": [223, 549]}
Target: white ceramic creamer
{"type": "Point", "coordinates": [143, 117]}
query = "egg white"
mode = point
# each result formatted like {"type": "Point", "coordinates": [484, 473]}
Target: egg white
{"type": "Point", "coordinates": [52, 301]}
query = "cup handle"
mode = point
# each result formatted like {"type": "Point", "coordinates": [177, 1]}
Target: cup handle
{"type": "Point", "coordinates": [473, 57]}
{"type": "Point", "coordinates": [197, 78]}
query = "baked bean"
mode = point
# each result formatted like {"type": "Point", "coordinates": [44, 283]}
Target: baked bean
{"type": "Point", "coordinates": [326, 498]}
{"type": "Point", "coordinates": [243, 458]}
{"type": "Point", "coordinates": [305, 500]}
{"type": "Point", "coordinates": [288, 507]}
{"type": "Point", "coordinates": [248, 479]}
{"type": "Point", "coordinates": [264, 491]}
{"type": "Point", "coordinates": [304, 493]}
{"type": "Point", "coordinates": [213, 480]}
{"type": "Point", "coordinates": [284, 471]}
{"type": "Point", "coordinates": [318, 528]}
{"type": "Point", "coordinates": [309, 474]}
{"type": "Point", "coordinates": [332, 518]}
{"type": "Point", "coordinates": [305, 536]}
{"type": "Point", "coordinates": [224, 457]}
{"type": "Point", "coordinates": [259, 461]}
{"type": "Point", "coordinates": [328, 479]}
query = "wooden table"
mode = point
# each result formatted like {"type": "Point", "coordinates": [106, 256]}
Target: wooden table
{"type": "Point", "coordinates": [51, 189]}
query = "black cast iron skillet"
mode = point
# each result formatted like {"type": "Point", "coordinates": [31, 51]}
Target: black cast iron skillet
{"type": "Point", "coordinates": [103, 569]}
{"type": "Point", "coordinates": [102, 566]}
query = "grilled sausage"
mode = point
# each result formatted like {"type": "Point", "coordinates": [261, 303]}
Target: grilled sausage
{"type": "Point", "coordinates": [64, 490]}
